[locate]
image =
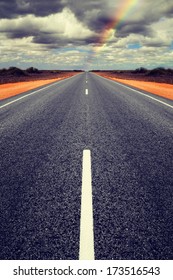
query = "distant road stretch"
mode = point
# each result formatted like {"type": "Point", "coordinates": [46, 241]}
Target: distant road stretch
{"type": "Point", "coordinates": [86, 163]}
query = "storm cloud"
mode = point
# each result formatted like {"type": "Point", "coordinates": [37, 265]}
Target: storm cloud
{"type": "Point", "coordinates": [95, 15]}
{"type": "Point", "coordinates": [16, 8]}
{"type": "Point", "coordinates": [80, 24]}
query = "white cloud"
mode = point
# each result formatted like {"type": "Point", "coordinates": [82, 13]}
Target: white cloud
{"type": "Point", "coordinates": [64, 37]}
{"type": "Point", "coordinates": [61, 24]}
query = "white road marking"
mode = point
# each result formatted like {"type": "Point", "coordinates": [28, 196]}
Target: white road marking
{"type": "Point", "coordinates": [86, 91]}
{"type": "Point", "coordinates": [144, 94]}
{"type": "Point", "coordinates": [139, 92]}
{"type": "Point", "coordinates": [86, 222]}
{"type": "Point", "coordinates": [86, 82]}
{"type": "Point", "coordinates": [29, 94]}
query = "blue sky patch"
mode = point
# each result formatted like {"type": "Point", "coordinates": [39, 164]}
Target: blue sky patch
{"type": "Point", "coordinates": [171, 46]}
{"type": "Point", "coordinates": [134, 46]}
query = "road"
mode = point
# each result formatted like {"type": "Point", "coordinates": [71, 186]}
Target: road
{"type": "Point", "coordinates": [130, 137]}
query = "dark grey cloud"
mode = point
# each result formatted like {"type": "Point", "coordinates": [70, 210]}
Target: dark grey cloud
{"type": "Point", "coordinates": [96, 15]}
{"type": "Point", "coordinates": [81, 9]}
{"type": "Point", "coordinates": [54, 42]}
{"type": "Point", "coordinates": [49, 39]}
{"type": "Point", "coordinates": [69, 24]}
{"type": "Point", "coordinates": [15, 8]}
{"type": "Point", "coordinates": [100, 22]}
{"type": "Point", "coordinates": [127, 28]}
{"type": "Point", "coordinates": [19, 34]}
{"type": "Point", "coordinates": [169, 11]}
{"type": "Point", "coordinates": [93, 13]}
{"type": "Point", "coordinates": [156, 44]}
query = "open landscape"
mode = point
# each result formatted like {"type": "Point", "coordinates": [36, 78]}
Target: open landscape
{"type": "Point", "coordinates": [14, 81]}
{"type": "Point", "coordinates": [158, 81]}
{"type": "Point", "coordinates": [86, 139]}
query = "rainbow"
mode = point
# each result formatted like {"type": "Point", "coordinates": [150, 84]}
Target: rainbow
{"type": "Point", "coordinates": [126, 7]}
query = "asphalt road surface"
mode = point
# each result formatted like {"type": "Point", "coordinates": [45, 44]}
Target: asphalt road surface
{"type": "Point", "coordinates": [42, 138]}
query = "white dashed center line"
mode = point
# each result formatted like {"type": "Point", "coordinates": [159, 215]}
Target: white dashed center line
{"type": "Point", "coordinates": [86, 223]}
{"type": "Point", "coordinates": [86, 91]}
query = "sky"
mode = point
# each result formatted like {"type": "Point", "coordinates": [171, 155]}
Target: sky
{"type": "Point", "coordinates": [87, 35]}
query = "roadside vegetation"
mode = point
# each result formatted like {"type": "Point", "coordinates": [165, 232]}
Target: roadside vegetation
{"type": "Point", "coordinates": [14, 74]}
{"type": "Point", "coordinates": [157, 75]}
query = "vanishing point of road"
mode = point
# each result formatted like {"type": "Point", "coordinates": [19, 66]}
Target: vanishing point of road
{"type": "Point", "coordinates": [86, 172]}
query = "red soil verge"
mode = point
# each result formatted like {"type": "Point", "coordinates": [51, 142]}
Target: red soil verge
{"type": "Point", "coordinates": [12, 89]}
{"type": "Point", "coordinates": [161, 89]}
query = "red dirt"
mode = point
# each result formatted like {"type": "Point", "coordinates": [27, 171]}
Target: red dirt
{"type": "Point", "coordinates": [12, 89]}
{"type": "Point", "coordinates": [161, 89]}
